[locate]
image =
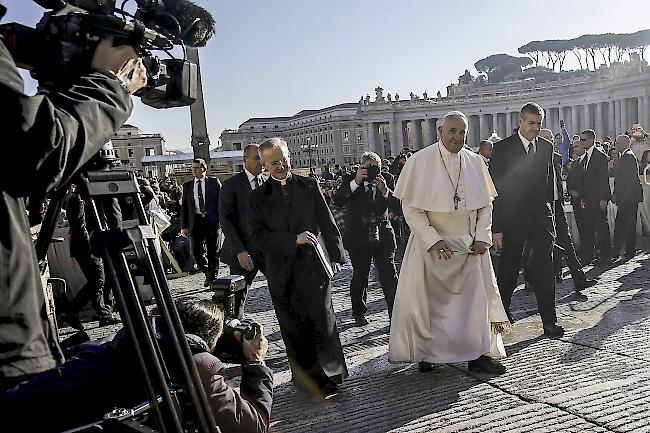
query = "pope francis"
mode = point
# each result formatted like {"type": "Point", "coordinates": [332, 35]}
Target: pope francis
{"type": "Point", "coordinates": [448, 307]}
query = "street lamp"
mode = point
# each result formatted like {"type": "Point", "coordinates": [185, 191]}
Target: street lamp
{"type": "Point", "coordinates": [308, 147]}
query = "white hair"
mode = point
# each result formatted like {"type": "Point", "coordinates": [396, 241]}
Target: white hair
{"type": "Point", "coordinates": [454, 113]}
{"type": "Point", "coordinates": [274, 143]}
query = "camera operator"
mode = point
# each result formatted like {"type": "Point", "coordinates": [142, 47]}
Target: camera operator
{"type": "Point", "coordinates": [50, 135]}
{"type": "Point", "coordinates": [100, 375]}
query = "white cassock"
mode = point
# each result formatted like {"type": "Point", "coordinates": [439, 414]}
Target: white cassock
{"type": "Point", "coordinates": [446, 310]}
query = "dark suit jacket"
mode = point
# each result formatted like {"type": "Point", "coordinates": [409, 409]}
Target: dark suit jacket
{"type": "Point", "coordinates": [212, 190]}
{"type": "Point", "coordinates": [359, 206]}
{"type": "Point", "coordinates": [557, 165]}
{"type": "Point", "coordinates": [276, 224]}
{"type": "Point", "coordinates": [525, 187]}
{"type": "Point", "coordinates": [627, 186]}
{"type": "Point", "coordinates": [596, 179]}
{"type": "Point", "coordinates": [233, 215]}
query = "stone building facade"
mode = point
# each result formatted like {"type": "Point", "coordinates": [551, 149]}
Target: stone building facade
{"type": "Point", "coordinates": [608, 100]}
{"type": "Point", "coordinates": [131, 144]}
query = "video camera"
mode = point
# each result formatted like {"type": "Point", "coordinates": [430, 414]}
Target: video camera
{"type": "Point", "coordinates": [61, 46]}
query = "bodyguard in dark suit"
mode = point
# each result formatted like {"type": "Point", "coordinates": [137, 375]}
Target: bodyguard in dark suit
{"type": "Point", "coordinates": [627, 195]}
{"type": "Point", "coordinates": [238, 250]}
{"type": "Point", "coordinates": [563, 238]}
{"type": "Point", "coordinates": [369, 234]}
{"type": "Point", "coordinates": [595, 195]}
{"type": "Point", "coordinates": [287, 214]}
{"type": "Point", "coordinates": [200, 219]}
{"type": "Point", "coordinates": [522, 171]}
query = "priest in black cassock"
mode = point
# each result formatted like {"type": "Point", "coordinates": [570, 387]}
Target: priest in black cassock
{"type": "Point", "coordinates": [287, 215]}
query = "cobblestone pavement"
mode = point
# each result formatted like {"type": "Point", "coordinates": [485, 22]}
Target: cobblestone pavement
{"type": "Point", "coordinates": [594, 379]}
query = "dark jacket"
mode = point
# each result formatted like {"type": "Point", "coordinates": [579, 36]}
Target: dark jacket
{"type": "Point", "coordinates": [275, 226]}
{"type": "Point", "coordinates": [627, 186]}
{"type": "Point", "coordinates": [212, 189]}
{"type": "Point", "coordinates": [233, 215]}
{"type": "Point", "coordinates": [595, 179]}
{"type": "Point", "coordinates": [103, 374]}
{"type": "Point", "coordinates": [523, 184]}
{"type": "Point", "coordinates": [50, 136]}
{"type": "Point", "coordinates": [362, 215]}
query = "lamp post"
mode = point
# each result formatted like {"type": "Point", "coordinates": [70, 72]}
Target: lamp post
{"type": "Point", "coordinates": [308, 147]}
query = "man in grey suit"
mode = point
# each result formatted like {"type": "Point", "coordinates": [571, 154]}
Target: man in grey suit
{"type": "Point", "coordinates": [200, 219]}
{"type": "Point", "coordinates": [238, 250]}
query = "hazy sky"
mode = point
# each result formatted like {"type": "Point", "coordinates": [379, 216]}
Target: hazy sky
{"type": "Point", "coordinates": [277, 57]}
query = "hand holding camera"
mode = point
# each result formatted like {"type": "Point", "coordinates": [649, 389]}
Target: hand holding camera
{"type": "Point", "coordinates": [121, 61]}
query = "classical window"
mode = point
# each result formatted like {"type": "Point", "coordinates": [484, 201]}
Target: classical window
{"type": "Point", "coordinates": [130, 153]}
{"type": "Point", "coordinates": [346, 136]}
{"type": "Point", "coordinates": [359, 136]}
{"type": "Point", "coordinates": [150, 151]}
{"type": "Point", "coordinates": [346, 149]}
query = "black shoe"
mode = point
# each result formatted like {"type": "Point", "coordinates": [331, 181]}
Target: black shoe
{"type": "Point", "coordinates": [487, 365]}
{"type": "Point", "coordinates": [360, 321]}
{"type": "Point", "coordinates": [109, 320]}
{"type": "Point", "coordinates": [329, 389]}
{"type": "Point", "coordinates": [425, 367]}
{"type": "Point", "coordinates": [73, 321]}
{"type": "Point", "coordinates": [554, 331]}
{"type": "Point", "coordinates": [588, 282]}
{"type": "Point", "coordinates": [629, 256]}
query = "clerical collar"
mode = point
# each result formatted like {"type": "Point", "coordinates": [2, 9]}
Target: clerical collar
{"type": "Point", "coordinates": [283, 181]}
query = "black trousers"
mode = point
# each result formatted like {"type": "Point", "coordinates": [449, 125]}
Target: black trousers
{"type": "Point", "coordinates": [595, 233]}
{"type": "Point", "coordinates": [204, 239]}
{"type": "Point", "coordinates": [385, 265]}
{"type": "Point", "coordinates": [563, 240]}
{"type": "Point", "coordinates": [540, 266]}
{"type": "Point", "coordinates": [94, 290]}
{"type": "Point", "coordinates": [249, 276]}
{"type": "Point", "coordinates": [625, 228]}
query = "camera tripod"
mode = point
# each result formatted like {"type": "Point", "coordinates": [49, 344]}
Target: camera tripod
{"type": "Point", "coordinates": [137, 239]}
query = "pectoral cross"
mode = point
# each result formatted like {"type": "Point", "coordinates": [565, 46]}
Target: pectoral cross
{"type": "Point", "coordinates": [456, 200]}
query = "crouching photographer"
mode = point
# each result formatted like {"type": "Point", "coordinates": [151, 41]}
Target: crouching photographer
{"type": "Point", "coordinates": [100, 375]}
{"type": "Point", "coordinates": [49, 136]}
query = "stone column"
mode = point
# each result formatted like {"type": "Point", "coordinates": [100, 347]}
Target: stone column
{"type": "Point", "coordinates": [395, 127]}
{"type": "Point", "coordinates": [405, 138]}
{"type": "Point", "coordinates": [646, 112]}
{"type": "Point", "coordinates": [586, 117]}
{"type": "Point", "coordinates": [417, 133]}
{"type": "Point", "coordinates": [434, 131]}
{"type": "Point", "coordinates": [574, 128]}
{"type": "Point", "coordinates": [625, 122]}
{"type": "Point", "coordinates": [611, 126]}
{"type": "Point", "coordinates": [617, 116]}
{"type": "Point", "coordinates": [600, 126]}
{"type": "Point", "coordinates": [373, 137]}
{"type": "Point", "coordinates": [483, 127]}
{"type": "Point", "coordinates": [508, 125]}
{"type": "Point", "coordinates": [640, 110]}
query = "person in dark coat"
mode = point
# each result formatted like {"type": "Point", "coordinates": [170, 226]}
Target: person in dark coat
{"type": "Point", "coordinates": [288, 213]}
{"type": "Point", "coordinates": [627, 195]}
{"type": "Point", "coordinates": [200, 219]}
{"type": "Point", "coordinates": [594, 234]}
{"type": "Point", "coordinates": [51, 136]}
{"type": "Point", "coordinates": [101, 375]}
{"type": "Point", "coordinates": [369, 236]}
{"type": "Point", "coordinates": [238, 250]}
{"type": "Point", "coordinates": [522, 170]}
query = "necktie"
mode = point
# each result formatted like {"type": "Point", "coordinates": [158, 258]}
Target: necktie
{"type": "Point", "coordinates": [584, 162]}
{"type": "Point", "coordinates": [370, 193]}
{"type": "Point", "coordinates": [531, 149]}
{"type": "Point", "coordinates": [256, 181]}
{"type": "Point", "coordinates": [200, 194]}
